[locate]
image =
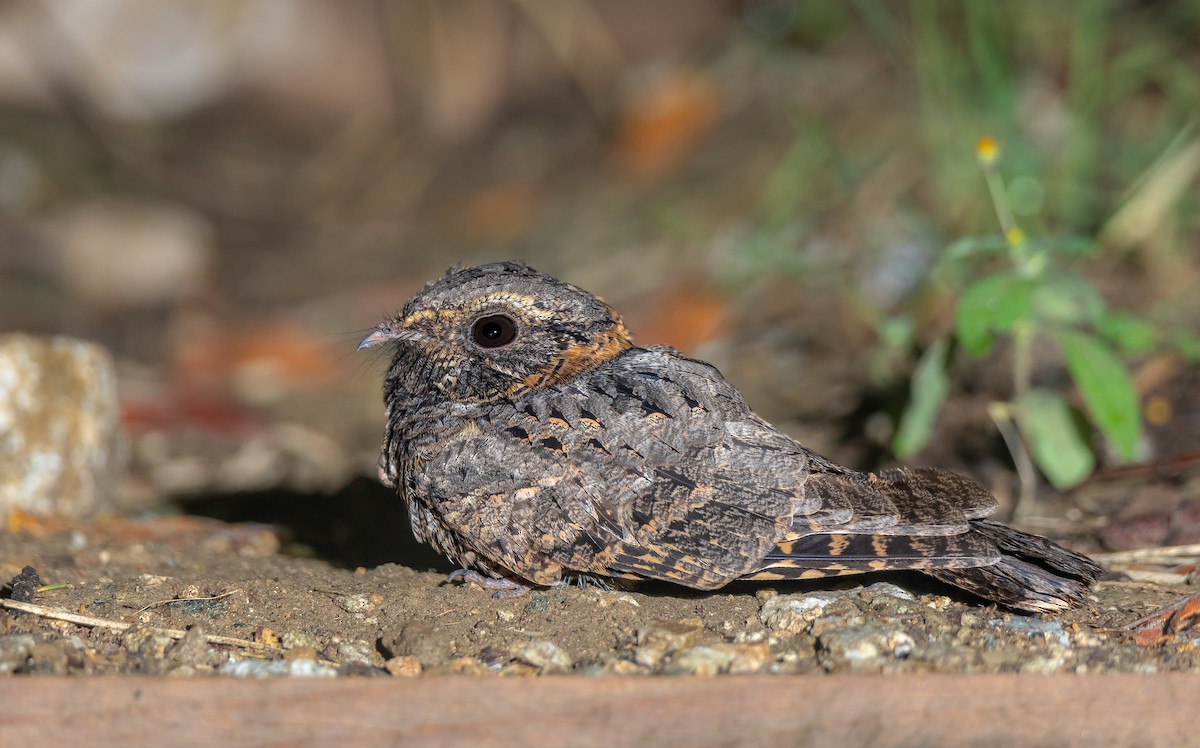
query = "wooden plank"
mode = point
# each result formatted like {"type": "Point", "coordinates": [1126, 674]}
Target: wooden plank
{"type": "Point", "coordinates": [978, 710]}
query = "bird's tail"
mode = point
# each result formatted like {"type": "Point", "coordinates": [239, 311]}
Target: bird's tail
{"type": "Point", "coordinates": [1033, 574]}
{"type": "Point", "coordinates": [1006, 566]}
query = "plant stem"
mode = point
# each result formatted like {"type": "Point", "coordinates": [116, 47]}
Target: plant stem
{"type": "Point", "coordinates": [1023, 334]}
{"type": "Point", "coordinates": [995, 184]}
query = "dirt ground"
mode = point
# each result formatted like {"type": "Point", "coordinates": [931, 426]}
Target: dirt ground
{"type": "Point", "coordinates": [200, 578]}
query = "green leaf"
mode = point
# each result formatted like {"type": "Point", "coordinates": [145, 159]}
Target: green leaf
{"type": "Point", "coordinates": [1106, 388]}
{"type": "Point", "coordinates": [994, 304]}
{"type": "Point", "coordinates": [1057, 446]}
{"type": "Point", "coordinates": [1127, 332]}
{"type": "Point", "coordinates": [1188, 345]}
{"type": "Point", "coordinates": [1077, 245]}
{"type": "Point", "coordinates": [1068, 299]}
{"type": "Point", "coordinates": [929, 387]}
{"type": "Point", "coordinates": [896, 332]}
{"type": "Point", "coordinates": [971, 245]}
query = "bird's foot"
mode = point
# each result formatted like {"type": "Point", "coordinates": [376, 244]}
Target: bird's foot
{"type": "Point", "coordinates": [501, 587]}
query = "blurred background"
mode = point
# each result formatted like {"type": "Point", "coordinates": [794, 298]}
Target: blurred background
{"type": "Point", "coordinates": [229, 194]}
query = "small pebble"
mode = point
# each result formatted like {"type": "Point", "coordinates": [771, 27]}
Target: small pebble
{"type": "Point", "coordinates": [360, 603]}
{"type": "Point", "coordinates": [301, 653]}
{"type": "Point", "coordinates": [1052, 632]}
{"type": "Point", "coordinates": [660, 638]}
{"type": "Point", "coordinates": [353, 652]}
{"type": "Point", "coordinates": [867, 645]}
{"type": "Point", "coordinates": [706, 660]}
{"type": "Point", "coordinates": [466, 666]}
{"type": "Point", "coordinates": [893, 590]}
{"type": "Point", "coordinates": [191, 650]}
{"type": "Point", "coordinates": [424, 640]}
{"type": "Point", "coordinates": [15, 651]}
{"type": "Point", "coordinates": [300, 639]}
{"type": "Point", "coordinates": [276, 668]}
{"type": "Point", "coordinates": [148, 642]}
{"type": "Point", "coordinates": [546, 656]}
{"type": "Point", "coordinates": [711, 659]}
{"type": "Point", "coordinates": [404, 666]}
{"type": "Point", "coordinates": [794, 614]}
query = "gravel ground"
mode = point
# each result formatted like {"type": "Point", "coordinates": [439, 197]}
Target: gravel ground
{"type": "Point", "coordinates": [153, 596]}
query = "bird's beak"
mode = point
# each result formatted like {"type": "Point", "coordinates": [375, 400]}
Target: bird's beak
{"type": "Point", "coordinates": [389, 332]}
{"type": "Point", "coordinates": [375, 338]}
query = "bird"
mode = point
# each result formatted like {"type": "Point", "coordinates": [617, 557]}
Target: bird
{"type": "Point", "coordinates": [536, 444]}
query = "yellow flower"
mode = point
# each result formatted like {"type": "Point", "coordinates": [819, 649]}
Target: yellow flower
{"type": "Point", "coordinates": [1014, 236]}
{"type": "Point", "coordinates": [987, 150]}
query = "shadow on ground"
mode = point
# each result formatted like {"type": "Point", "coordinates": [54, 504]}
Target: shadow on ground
{"type": "Point", "coordinates": [364, 524]}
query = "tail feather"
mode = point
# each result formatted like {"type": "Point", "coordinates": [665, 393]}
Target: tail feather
{"type": "Point", "coordinates": [996, 562]}
{"type": "Point", "coordinates": [928, 520]}
{"type": "Point", "coordinates": [884, 552]}
{"type": "Point", "coordinates": [1033, 573]}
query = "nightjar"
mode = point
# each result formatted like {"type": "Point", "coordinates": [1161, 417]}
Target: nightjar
{"type": "Point", "coordinates": [535, 442]}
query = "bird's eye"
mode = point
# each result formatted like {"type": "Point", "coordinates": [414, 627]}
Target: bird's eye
{"type": "Point", "coordinates": [494, 331]}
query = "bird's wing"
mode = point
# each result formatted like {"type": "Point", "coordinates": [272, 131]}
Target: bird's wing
{"type": "Point", "coordinates": [651, 466]}
{"type": "Point", "coordinates": [929, 527]}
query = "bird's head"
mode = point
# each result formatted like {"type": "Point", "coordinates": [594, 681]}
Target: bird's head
{"type": "Point", "coordinates": [497, 331]}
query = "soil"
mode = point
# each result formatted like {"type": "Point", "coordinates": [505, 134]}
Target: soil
{"type": "Point", "coordinates": [304, 616]}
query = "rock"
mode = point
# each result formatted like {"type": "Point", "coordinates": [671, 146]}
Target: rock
{"type": "Point", "coordinates": [15, 651]}
{"type": "Point", "coordinates": [424, 640]}
{"type": "Point", "coordinates": [889, 607]}
{"type": "Point", "coordinates": [538, 603]}
{"type": "Point", "coordinates": [60, 450]}
{"type": "Point", "coordinates": [1045, 665]}
{"type": "Point", "coordinates": [147, 641]}
{"type": "Point", "coordinates": [660, 638]}
{"type": "Point", "coordinates": [352, 652]}
{"type": "Point", "coordinates": [546, 656]}
{"type": "Point", "coordinates": [299, 640]}
{"type": "Point", "coordinates": [869, 645]}
{"type": "Point", "coordinates": [192, 650]}
{"type": "Point", "coordinates": [610, 665]}
{"type": "Point", "coordinates": [750, 658]}
{"type": "Point", "coordinates": [889, 589]}
{"type": "Point", "coordinates": [703, 660]}
{"type": "Point", "coordinates": [794, 614]}
{"type": "Point", "coordinates": [405, 666]}
{"type": "Point", "coordinates": [1052, 632]}
{"type": "Point", "coordinates": [360, 603]}
{"type": "Point", "coordinates": [948, 656]}
{"type": "Point", "coordinates": [301, 653]}
{"type": "Point", "coordinates": [58, 656]}
{"type": "Point", "coordinates": [120, 254]}
{"type": "Point", "coordinates": [275, 668]}
{"type": "Point", "coordinates": [712, 659]}
{"type": "Point", "coordinates": [840, 616]}
{"type": "Point", "coordinates": [466, 666]}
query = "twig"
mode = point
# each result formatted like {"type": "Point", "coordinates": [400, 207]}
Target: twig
{"type": "Point", "coordinates": [104, 623]}
{"type": "Point", "coordinates": [1148, 554]}
{"type": "Point", "coordinates": [1161, 578]}
{"type": "Point", "coordinates": [1137, 584]}
{"type": "Point", "coordinates": [1163, 612]}
{"type": "Point", "coordinates": [141, 610]}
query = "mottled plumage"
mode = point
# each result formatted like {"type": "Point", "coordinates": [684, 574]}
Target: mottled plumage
{"type": "Point", "coordinates": [533, 441]}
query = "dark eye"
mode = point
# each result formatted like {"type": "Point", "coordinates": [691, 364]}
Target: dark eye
{"type": "Point", "coordinates": [494, 331]}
